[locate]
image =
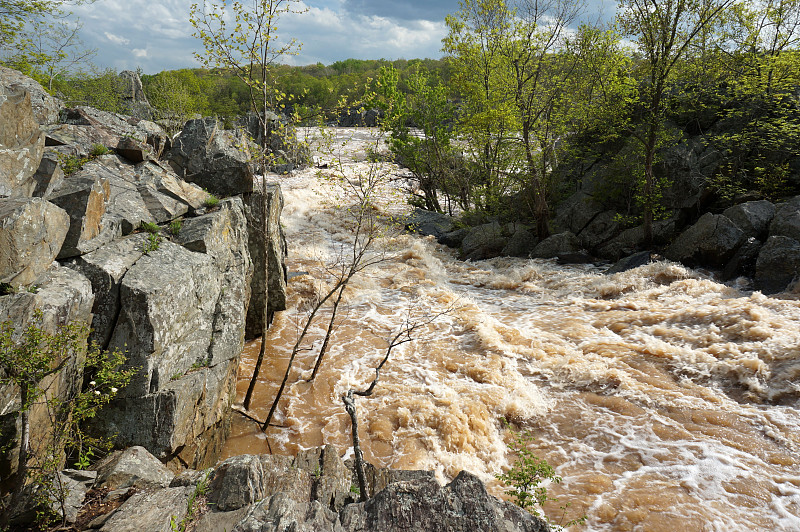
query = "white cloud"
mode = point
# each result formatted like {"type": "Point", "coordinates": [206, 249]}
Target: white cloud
{"type": "Point", "coordinates": [138, 52]}
{"type": "Point", "coordinates": [116, 39]}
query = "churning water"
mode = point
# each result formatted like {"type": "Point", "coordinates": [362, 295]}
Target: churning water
{"type": "Point", "coordinates": [666, 400]}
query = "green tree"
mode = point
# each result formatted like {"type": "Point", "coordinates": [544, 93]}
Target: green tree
{"type": "Point", "coordinates": [663, 32]}
{"type": "Point", "coordinates": [30, 360]}
{"type": "Point", "coordinates": [177, 96]}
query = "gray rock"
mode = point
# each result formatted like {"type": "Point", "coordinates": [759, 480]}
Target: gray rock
{"type": "Point", "coordinates": [752, 217]}
{"type": "Point", "coordinates": [744, 260]}
{"type": "Point", "coordinates": [453, 239]}
{"type": "Point", "coordinates": [521, 243]}
{"type": "Point", "coordinates": [164, 180]}
{"type": "Point", "coordinates": [711, 241]}
{"type": "Point", "coordinates": [217, 521]}
{"type": "Point", "coordinates": [150, 510]}
{"type": "Point", "coordinates": [281, 513]}
{"type": "Point", "coordinates": [286, 151]}
{"type": "Point", "coordinates": [48, 176]}
{"type": "Point", "coordinates": [74, 485]}
{"type": "Point", "coordinates": [272, 248]}
{"type": "Point", "coordinates": [45, 107]}
{"type": "Point", "coordinates": [429, 223]}
{"type": "Point", "coordinates": [133, 467]}
{"type": "Point", "coordinates": [632, 261]}
{"type": "Point", "coordinates": [555, 245]}
{"type": "Point", "coordinates": [237, 482]}
{"type": "Point", "coordinates": [484, 241]}
{"type": "Point", "coordinates": [132, 149]}
{"type": "Point", "coordinates": [84, 198]}
{"type": "Point", "coordinates": [422, 505]}
{"type": "Point", "coordinates": [105, 267]}
{"type": "Point", "coordinates": [787, 219]}
{"type": "Point", "coordinates": [778, 264]}
{"type": "Point", "coordinates": [21, 143]}
{"type": "Point", "coordinates": [576, 212]}
{"type": "Point", "coordinates": [332, 478]}
{"type": "Point", "coordinates": [32, 232]}
{"type": "Point", "coordinates": [134, 99]}
{"type": "Point", "coordinates": [600, 229]}
{"type": "Point", "coordinates": [212, 157]}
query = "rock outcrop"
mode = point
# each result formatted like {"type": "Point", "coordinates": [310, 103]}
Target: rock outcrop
{"type": "Point", "coordinates": [21, 143]}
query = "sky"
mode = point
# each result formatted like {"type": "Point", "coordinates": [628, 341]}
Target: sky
{"type": "Point", "coordinates": [157, 35]}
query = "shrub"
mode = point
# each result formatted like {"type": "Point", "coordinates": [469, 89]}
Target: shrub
{"type": "Point", "coordinates": [211, 201]}
{"type": "Point", "coordinates": [175, 227]}
{"type": "Point", "coordinates": [152, 243]}
{"type": "Point", "coordinates": [151, 228]}
{"type": "Point", "coordinates": [97, 150]}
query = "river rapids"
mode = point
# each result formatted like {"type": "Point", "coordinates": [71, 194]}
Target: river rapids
{"type": "Point", "coordinates": [664, 399]}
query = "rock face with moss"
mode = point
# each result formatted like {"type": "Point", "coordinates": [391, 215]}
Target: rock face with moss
{"type": "Point", "coordinates": [157, 271]}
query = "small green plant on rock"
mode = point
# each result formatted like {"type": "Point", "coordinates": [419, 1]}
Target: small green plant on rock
{"type": "Point", "coordinates": [525, 477]}
{"type": "Point", "coordinates": [97, 150]}
{"type": "Point", "coordinates": [71, 163]}
{"type": "Point", "coordinates": [175, 227]}
{"type": "Point", "coordinates": [195, 506]}
{"type": "Point", "coordinates": [152, 243]}
{"type": "Point", "coordinates": [150, 227]}
{"type": "Point", "coordinates": [211, 201]}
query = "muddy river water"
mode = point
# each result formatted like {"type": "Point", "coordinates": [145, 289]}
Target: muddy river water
{"type": "Point", "coordinates": [666, 400]}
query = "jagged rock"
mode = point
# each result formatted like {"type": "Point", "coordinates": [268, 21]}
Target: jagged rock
{"type": "Point", "coordinates": [787, 219]}
{"type": "Point", "coordinates": [555, 245]}
{"type": "Point", "coordinates": [134, 99]}
{"type": "Point", "coordinates": [105, 268]}
{"type": "Point", "coordinates": [422, 505]}
{"type": "Point", "coordinates": [632, 261]}
{"type": "Point", "coordinates": [223, 236]}
{"type": "Point", "coordinates": [45, 107]}
{"type": "Point", "coordinates": [286, 151]}
{"type": "Point", "coordinates": [429, 223]}
{"type": "Point", "coordinates": [521, 243]}
{"type": "Point", "coordinates": [76, 141]}
{"type": "Point", "coordinates": [574, 213]}
{"type": "Point", "coordinates": [133, 467]}
{"type": "Point", "coordinates": [744, 260]}
{"type": "Point", "coordinates": [237, 482]}
{"type": "Point", "coordinates": [48, 176]}
{"type": "Point", "coordinates": [166, 182]}
{"type": "Point", "coordinates": [333, 478]}
{"type": "Point", "coordinates": [32, 232]}
{"type": "Point", "coordinates": [216, 159]}
{"type": "Point", "coordinates": [84, 198]}
{"type": "Point", "coordinates": [778, 264]}
{"type": "Point", "coordinates": [272, 248]}
{"type": "Point", "coordinates": [601, 228]}
{"type": "Point", "coordinates": [150, 510]}
{"type": "Point", "coordinates": [360, 117]}
{"type": "Point", "coordinates": [282, 513]}
{"type": "Point", "coordinates": [132, 150]}
{"type": "Point", "coordinates": [21, 143]}
{"type": "Point", "coordinates": [378, 479]}
{"type": "Point", "coordinates": [453, 239]}
{"type": "Point", "coordinates": [711, 241]}
{"type": "Point", "coordinates": [64, 296]}
{"type": "Point", "coordinates": [631, 240]}
{"type": "Point", "coordinates": [484, 241]}
{"type": "Point", "coordinates": [75, 484]}
{"type": "Point", "coordinates": [752, 217]}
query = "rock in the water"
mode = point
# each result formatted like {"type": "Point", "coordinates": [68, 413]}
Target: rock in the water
{"type": "Point", "coordinates": [423, 505]}
{"type": "Point", "coordinates": [521, 243]}
{"type": "Point", "coordinates": [429, 223]}
{"type": "Point", "coordinates": [600, 229]}
{"type": "Point", "coordinates": [45, 107]}
{"type": "Point", "coordinates": [632, 261]}
{"type": "Point", "coordinates": [712, 241]}
{"type": "Point", "coordinates": [778, 264]}
{"type": "Point", "coordinates": [21, 143]}
{"type": "Point", "coordinates": [32, 232]}
{"type": "Point", "coordinates": [133, 467]}
{"type": "Point", "coordinates": [484, 242]}
{"type": "Point", "coordinates": [216, 159]}
{"type": "Point", "coordinates": [453, 239]}
{"type": "Point", "coordinates": [555, 245]}
{"type": "Point", "coordinates": [744, 260]}
{"type": "Point", "coordinates": [752, 217]}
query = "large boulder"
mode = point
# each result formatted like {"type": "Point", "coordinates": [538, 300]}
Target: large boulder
{"type": "Point", "coordinates": [154, 511]}
{"type": "Point", "coordinates": [45, 107]}
{"type": "Point", "coordinates": [21, 143]}
{"type": "Point", "coordinates": [752, 217]}
{"type": "Point", "coordinates": [521, 243]}
{"type": "Point", "coordinates": [712, 241]}
{"type": "Point", "coordinates": [281, 512]}
{"type": "Point", "coordinates": [216, 159]}
{"type": "Point", "coordinates": [285, 150]}
{"type": "Point", "coordinates": [555, 245]}
{"type": "Point", "coordinates": [787, 219]}
{"type": "Point", "coordinates": [778, 264]}
{"type": "Point", "coordinates": [32, 232]}
{"type": "Point", "coordinates": [48, 176]}
{"type": "Point", "coordinates": [134, 467]}
{"type": "Point", "coordinates": [134, 99]}
{"type": "Point", "coordinates": [429, 223]}
{"type": "Point", "coordinates": [268, 252]}
{"type": "Point", "coordinates": [422, 505]}
{"type": "Point", "coordinates": [484, 241]}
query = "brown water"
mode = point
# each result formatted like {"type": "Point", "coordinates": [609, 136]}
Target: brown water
{"type": "Point", "coordinates": [666, 400]}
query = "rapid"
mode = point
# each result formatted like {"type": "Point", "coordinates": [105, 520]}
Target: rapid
{"type": "Point", "coordinates": [664, 399]}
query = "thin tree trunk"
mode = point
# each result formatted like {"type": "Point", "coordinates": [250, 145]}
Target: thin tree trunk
{"type": "Point", "coordinates": [350, 406]}
{"type": "Point", "coordinates": [328, 334]}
